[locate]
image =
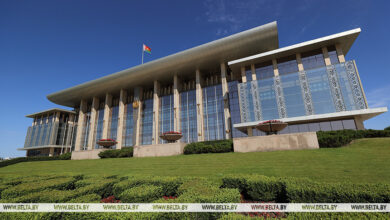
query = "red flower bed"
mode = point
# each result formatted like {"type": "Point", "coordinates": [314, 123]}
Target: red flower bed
{"type": "Point", "coordinates": [171, 132]}
{"type": "Point", "coordinates": [110, 199]}
{"type": "Point", "coordinates": [270, 121]}
{"type": "Point", "coordinates": [108, 140]}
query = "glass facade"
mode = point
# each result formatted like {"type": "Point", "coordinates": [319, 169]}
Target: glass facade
{"type": "Point", "coordinates": [166, 115]}
{"type": "Point", "coordinates": [264, 72]}
{"type": "Point", "coordinates": [99, 125]}
{"type": "Point", "coordinates": [213, 114]}
{"type": "Point", "coordinates": [287, 67]}
{"type": "Point", "coordinates": [234, 108]}
{"type": "Point", "coordinates": [128, 134]}
{"type": "Point", "coordinates": [258, 99]}
{"type": "Point", "coordinates": [113, 125]}
{"type": "Point", "coordinates": [147, 122]}
{"type": "Point", "coordinates": [50, 132]}
{"type": "Point", "coordinates": [188, 116]}
{"type": "Point", "coordinates": [314, 61]}
{"type": "Point", "coordinates": [293, 95]}
{"type": "Point", "coordinates": [85, 132]}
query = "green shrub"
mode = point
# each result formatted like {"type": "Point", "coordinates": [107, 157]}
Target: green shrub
{"type": "Point", "coordinates": [29, 159]}
{"type": "Point", "coordinates": [331, 139]}
{"type": "Point", "coordinates": [257, 188]}
{"type": "Point", "coordinates": [144, 193]}
{"type": "Point", "coordinates": [88, 198]}
{"type": "Point", "coordinates": [260, 188]}
{"type": "Point", "coordinates": [124, 152]}
{"type": "Point", "coordinates": [387, 128]}
{"type": "Point", "coordinates": [310, 191]}
{"type": "Point", "coordinates": [62, 183]}
{"type": "Point", "coordinates": [169, 184]}
{"type": "Point", "coordinates": [65, 156]}
{"type": "Point", "coordinates": [109, 154]}
{"type": "Point", "coordinates": [102, 187]}
{"type": "Point", "coordinates": [45, 196]}
{"type": "Point", "coordinates": [220, 146]}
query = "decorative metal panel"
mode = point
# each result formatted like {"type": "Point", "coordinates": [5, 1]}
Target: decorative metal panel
{"type": "Point", "coordinates": [256, 101]}
{"type": "Point", "coordinates": [306, 94]}
{"type": "Point", "coordinates": [280, 97]}
{"type": "Point", "coordinates": [335, 88]}
{"type": "Point", "coordinates": [355, 85]}
{"type": "Point", "coordinates": [244, 106]}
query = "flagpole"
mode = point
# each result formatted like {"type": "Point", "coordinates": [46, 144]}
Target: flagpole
{"type": "Point", "coordinates": [142, 54]}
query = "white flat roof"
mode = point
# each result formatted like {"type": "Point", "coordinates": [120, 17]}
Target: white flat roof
{"type": "Point", "coordinates": [43, 147]}
{"type": "Point", "coordinates": [363, 114]}
{"type": "Point", "coordinates": [345, 39]}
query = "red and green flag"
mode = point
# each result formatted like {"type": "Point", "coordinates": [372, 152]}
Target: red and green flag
{"type": "Point", "coordinates": [147, 49]}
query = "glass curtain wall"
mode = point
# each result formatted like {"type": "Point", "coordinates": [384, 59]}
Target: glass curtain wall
{"type": "Point", "coordinates": [147, 120]}
{"type": "Point", "coordinates": [234, 108]}
{"type": "Point", "coordinates": [166, 115]}
{"type": "Point", "coordinates": [99, 125]}
{"type": "Point", "coordinates": [188, 116]}
{"type": "Point", "coordinates": [266, 94]}
{"type": "Point", "coordinates": [320, 91]}
{"type": "Point", "coordinates": [128, 137]}
{"type": "Point", "coordinates": [113, 125]}
{"type": "Point", "coordinates": [86, 127]}
{"type": "Point", "coordinates": [293, 95]}
{"type": "Point", "coordinates": [213, 113]}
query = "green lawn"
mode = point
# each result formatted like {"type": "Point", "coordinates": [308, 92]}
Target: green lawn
{"type": "Point", "coordinates": [365, 161]}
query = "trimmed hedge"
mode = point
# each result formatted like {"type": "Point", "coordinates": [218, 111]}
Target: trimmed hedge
{"type": "Point", "coordinates": [220, 146]}
{"type": "Point", "coordinates": [265, 189]}
{"type": "Point", "coordinates": [4, 163]}
{"type": "Point", "coordinates": [169, 184]}
{"type": "Point", "coordinates": [124, 152]}
{"type": "Point", "coordinates": [89, 198]}
{"type": "Point", "coordinates": [63, 183]}
{"type": "Point", "coordinates": [332, 139]}
{"type": "Point", "coordinates": [144, 193]}
{"type": "Point", "coordinates": [102, 187]}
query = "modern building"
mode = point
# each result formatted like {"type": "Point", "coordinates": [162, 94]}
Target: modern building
{"type": "Point", "coordinates": [218, 90]}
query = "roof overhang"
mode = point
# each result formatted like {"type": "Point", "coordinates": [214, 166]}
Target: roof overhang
{"type": "Point", "coordinates": [44, 147]}
{"type": "Point", "coordinates": [363, 114]}
{"type": "Point", "coordinates": [203, 57]}
{"type": "Point", "coordinates": [49, 111]}
{"type": "Point", "coordinates": [344, 39]}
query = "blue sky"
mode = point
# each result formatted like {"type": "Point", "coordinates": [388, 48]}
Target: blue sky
{"type": "Point", "coordinates": [46, 46]}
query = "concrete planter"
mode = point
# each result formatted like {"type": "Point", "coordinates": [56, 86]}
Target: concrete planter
{"type": "Point", "coordinates": [271, 127]}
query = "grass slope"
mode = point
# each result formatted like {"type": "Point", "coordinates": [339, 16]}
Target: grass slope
{"type": "Point", "coordinates": [364, 161]}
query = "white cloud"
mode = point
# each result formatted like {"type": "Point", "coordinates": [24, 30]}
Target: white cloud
{"type": "Point", "coordinates": [235, 15]}
{"type": "Point", "coordinates": [379, 97]}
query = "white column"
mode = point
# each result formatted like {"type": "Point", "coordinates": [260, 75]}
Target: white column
{"type": "Point", "coordinates": [137, 115]}
{"type": "Point", "coordinates": [340, 53]}
{"type": "Point", "coordinates": [326, 56]}
{"type": "Point", "coordinates": [92, 122]}
{"type": "Point", "coordinates": [121, 118]}
{"type": "Point", "coordinates": [253, 70]}
{"type": "Point", "coordinates": [243, 74]}
{"type": "Point", "coordinates": [299, 61]}
{"type": "Point", "coordinates": [107, 115]}
{"type": "Point", "coordinates": [250, 131]}
{"type": "Point", "coordinates": [275, 66]}
{"type": "Point", "coordinates": [156, 110]}
{"type": "Point", "coordinates": [80, 126]}
{"type": "Point", "coordinates": [176, 103]}
{"type": "Point", "coordinates": [199, 105]}
{"type": "Point", "coordinates": [225, 94]}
